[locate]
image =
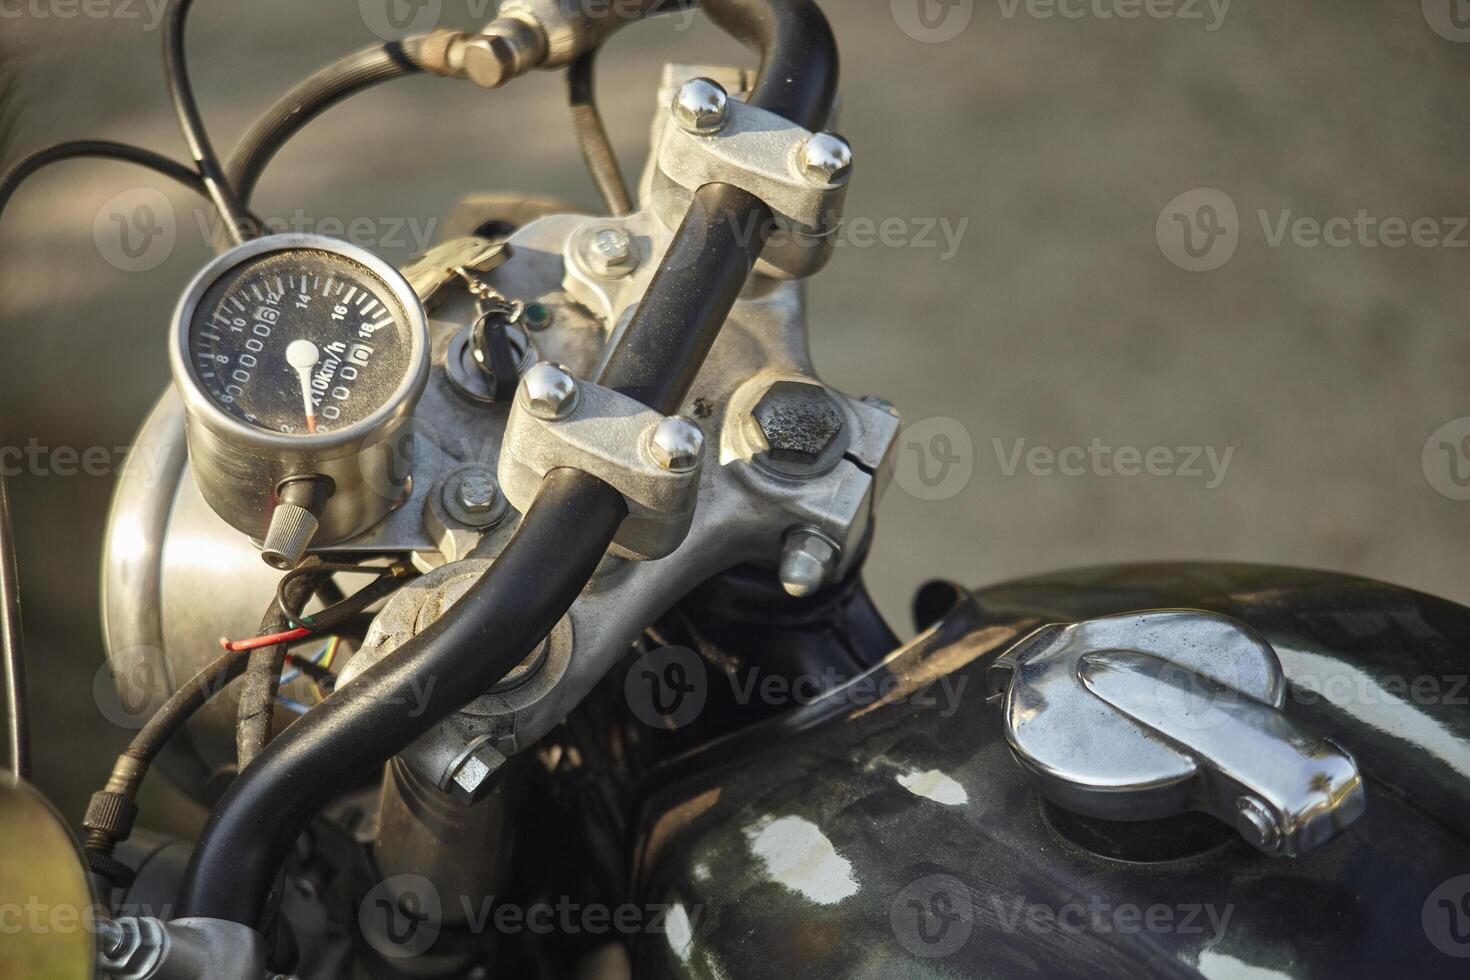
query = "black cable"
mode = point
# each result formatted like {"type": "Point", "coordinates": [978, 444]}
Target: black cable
{"type": "Point", "coordinates": [110, 815]}
{"type": "Point", "coordinates": [183, 703]}
{"type": "Point", "coordinates": [311, 98]}
{"type": "Point", "coordinates": [111, 812]}
{"type": "Point", "coordinates": [263, 672]}
{"type": "Point", "coordinates": [389, 579]}
{"type": "Point", "coordinates": [239, 224]}
{"type": "Point", "coordinates": [350, 735]}
{"type": "Point", "coordinates": [597, 149]}
{"type": "Point", "coordinates": [101, 150]}
{"type": "Point", "coordinates": [12, 642]}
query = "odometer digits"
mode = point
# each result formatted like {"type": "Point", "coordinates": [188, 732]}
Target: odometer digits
{"type": "Point", "coordinates": [300, 341]}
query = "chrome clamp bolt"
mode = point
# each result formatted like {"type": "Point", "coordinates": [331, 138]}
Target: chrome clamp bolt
{"type": "Point", "coordinates": [550, 393]}
{"type": "Point", "coordinates": [808, 560]}
{"type": "Point", "coordinates": [701, 107]}
{"type": "Point", "coordinates": [676, 444]}
{"type": "Point", "coordinates": [826, 160]}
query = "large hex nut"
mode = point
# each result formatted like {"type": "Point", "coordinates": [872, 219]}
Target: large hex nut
{"type": "Point", "coordinates": [797, 427]}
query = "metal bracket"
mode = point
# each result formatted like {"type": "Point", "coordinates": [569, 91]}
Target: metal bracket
{"type": "Point", "coordinates": [757, 151]}
{"type": "Point", "coordinates": [608, 435]}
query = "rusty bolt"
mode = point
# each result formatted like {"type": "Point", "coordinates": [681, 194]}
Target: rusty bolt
{"type": "Point", "coordinates": [798, 421]}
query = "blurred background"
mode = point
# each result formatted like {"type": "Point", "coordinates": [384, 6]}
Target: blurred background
{"type": "Point", "coordinates": [1080, 259]}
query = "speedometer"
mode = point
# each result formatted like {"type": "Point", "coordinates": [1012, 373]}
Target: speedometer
{"type": "Point", "coordinates": [297, 357]}
{"type": "Point", "coordinates": [301, 341]}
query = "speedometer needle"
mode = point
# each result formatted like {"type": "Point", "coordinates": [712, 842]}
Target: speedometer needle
{"type": "Point", "coordinates": [303, 355]}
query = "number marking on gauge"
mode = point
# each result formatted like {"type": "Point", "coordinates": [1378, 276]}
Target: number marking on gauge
{"type": "Point", "coordinates": [269, 350]}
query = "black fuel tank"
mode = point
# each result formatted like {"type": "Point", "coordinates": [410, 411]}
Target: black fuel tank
{"type": "Point", "coordinates": [888, 832]}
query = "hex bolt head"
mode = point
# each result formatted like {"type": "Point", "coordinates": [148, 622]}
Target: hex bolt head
{"type": "Point", "coordinates": [676, 444]}
{"type": "Point", "coordinates": [798, 421]}
{"type": "Point", "coordinates": [470, 776]}
{"type": "Point", "coordinates": [826, 160]}
{"type": "Point", "coordinates": [808, 559]}
{"type": "Point", "coordinates": [701, 107]}
{"type": "Point", "coordinates": [607, 252]}
{"type": "Point", "coordinates": [549, 392]}
{"type": "Point", "coordinates": [478, 491]}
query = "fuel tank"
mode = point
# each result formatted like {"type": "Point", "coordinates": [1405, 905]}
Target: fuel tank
{"type": "Point", "coordinates": [890, 829]}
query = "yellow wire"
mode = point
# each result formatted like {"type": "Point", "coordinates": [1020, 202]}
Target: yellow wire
{"type": "Point", "coordinates": [326, 663]}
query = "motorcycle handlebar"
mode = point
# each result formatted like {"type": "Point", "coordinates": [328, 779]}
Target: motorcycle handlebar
{"type": "Point", "coordinates": [565, 533]}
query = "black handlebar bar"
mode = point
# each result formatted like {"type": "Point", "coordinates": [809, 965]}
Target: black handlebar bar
{"type": "Point", "coordinates": [567, 530]}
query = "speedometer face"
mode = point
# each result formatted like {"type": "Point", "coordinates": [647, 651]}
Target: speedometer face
{"type": "Point", "coordinates": [300, 341]}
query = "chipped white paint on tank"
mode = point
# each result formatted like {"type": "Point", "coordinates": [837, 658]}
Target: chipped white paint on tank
{"type": "Point", "coordinates": [796, 854]}
{"type": "Point", "coordinates": [680, 932]}
{"type": "Point", "coordinates": [934, 785]}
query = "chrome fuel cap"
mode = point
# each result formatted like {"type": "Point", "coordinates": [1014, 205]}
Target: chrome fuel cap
{"type": "Point", "coordinates": [1149, 715]}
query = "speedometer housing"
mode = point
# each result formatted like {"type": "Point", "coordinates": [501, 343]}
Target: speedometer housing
{"type": "Point", "coordinates": [261, 415]}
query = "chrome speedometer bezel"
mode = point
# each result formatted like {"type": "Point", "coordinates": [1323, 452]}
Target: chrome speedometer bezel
{"type": "Point", "coordinates": [240, 468]}
{"type": "Point", "coordinates": [204, 409]}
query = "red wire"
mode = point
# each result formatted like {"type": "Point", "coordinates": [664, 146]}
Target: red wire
{"type": "Point", "coordinates": [269, 640]}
